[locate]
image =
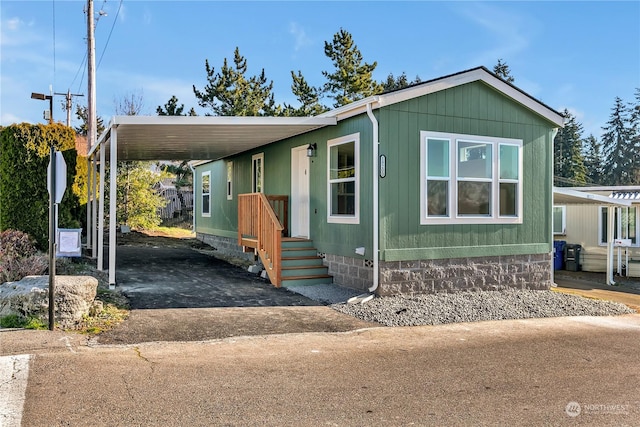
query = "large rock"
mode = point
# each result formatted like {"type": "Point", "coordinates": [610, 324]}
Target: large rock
{"type": "Point", "coordinates": [74, 296]}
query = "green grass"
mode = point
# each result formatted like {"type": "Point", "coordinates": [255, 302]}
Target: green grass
{"type": "Point", "coordinates": [16, 321]}
{"type": "Point", "coordinates": [175, 232]}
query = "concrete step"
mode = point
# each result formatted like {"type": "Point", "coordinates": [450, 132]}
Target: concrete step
{"type": "Point", "coordinates": [306, 280]}
{"type": "Point", "coordinates": [304, 270]}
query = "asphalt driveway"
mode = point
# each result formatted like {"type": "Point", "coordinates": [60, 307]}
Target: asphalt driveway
{"type": "Point", "coordinates": [155, 277]}
{"type": "Point", "coordinates": [180, 294]}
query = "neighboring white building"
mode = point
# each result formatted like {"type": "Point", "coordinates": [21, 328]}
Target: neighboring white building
{"type": "Point", "coordinates": [586, 223]}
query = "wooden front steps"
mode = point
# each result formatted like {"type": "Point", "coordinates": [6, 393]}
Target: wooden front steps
{"type": "Point", "coordinates": [301, 265]}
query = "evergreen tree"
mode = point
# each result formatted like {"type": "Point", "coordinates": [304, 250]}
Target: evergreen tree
{"type": "Point", "coordinates": [568, 159]}
{"type": "Point", "coordinates": [634, 108]}
{"type": "Point", "coordinates": [620, 153]}
{"type": "Point", "coordinates": [308, 97]}
{"type": "Point", "coordinates": [501, 69]}
{"type": "Point", "coordinates": [230, 92]}
{"type": "Point", "coordinates": [593, 160]}
{"type": "Point", "coordinates": [171, 108]}
{"type": "Point", "coordinates": [351, 80]}
{"type": "Point", "coordinates": [82, 113]}
{"type": "Point", "coordinates": [400, 82]}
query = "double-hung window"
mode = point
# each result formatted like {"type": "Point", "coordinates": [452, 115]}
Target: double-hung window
{"type": "Point", "coordinates": [343, 176]}
{"type": "Point", "coordinates": [625, 224]}
{"type": "Point", "coordinates": [470, 179]}
{"type": "Point", "coordinates": [206, 193]}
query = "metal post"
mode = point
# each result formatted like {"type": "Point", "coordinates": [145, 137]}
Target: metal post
{"type": "Point", "coordinates": [52, 236]}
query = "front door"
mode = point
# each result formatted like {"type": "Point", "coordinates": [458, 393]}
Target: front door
{"type": "Point", "coordinates": [299, 192]}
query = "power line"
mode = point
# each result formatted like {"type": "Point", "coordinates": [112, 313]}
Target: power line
{"type": "Point", "coordinates": [110, 32]}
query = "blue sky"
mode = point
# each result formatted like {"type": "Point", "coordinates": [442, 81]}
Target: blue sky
{"type": "Point", "coordinates": [574, 55]}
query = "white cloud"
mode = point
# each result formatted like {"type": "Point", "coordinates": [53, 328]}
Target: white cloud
{"type": "Point", "coordinates": [300, 36]}
{"type": "Point", "coordinates": [510, 31]}
{"type": "Point", "coordinates": [15, 32]}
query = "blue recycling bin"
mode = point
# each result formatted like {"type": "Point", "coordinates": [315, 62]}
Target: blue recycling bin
{"type": "Point", "coordinates": [558, 254]}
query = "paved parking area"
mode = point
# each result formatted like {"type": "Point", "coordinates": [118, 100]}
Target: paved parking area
{"type": "Point", "coordinates": [180, 294]}
{"type": "Point", "coordinates": [180, 277]}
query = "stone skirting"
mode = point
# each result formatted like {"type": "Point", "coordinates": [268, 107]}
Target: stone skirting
{"type": "Point", "coordinates": [225, 246]}
{"type": "Point", "coordinates": [465, 274]}
{"type": "Point", "coordinates": [355, 273]}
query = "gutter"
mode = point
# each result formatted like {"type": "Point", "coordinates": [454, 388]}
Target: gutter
{"type": "Point", "coordinates": [376, 201]}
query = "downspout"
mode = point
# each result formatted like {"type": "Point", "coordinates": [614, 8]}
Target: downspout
{"type": "Point", "coordinates": [554, 132]}
{"type": "Point", "coordinates": [193, 203]}
{"type": "Point", "coordinates": [376, 202]}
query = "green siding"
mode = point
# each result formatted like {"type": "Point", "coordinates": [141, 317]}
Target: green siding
{"type": "Point", "coordinates": [474, 109]}
{"type": "Point", "coordinates": [339, 239]}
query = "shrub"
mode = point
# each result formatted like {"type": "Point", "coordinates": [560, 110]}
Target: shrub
{"type": "Point", "coordinates": [19, 257]}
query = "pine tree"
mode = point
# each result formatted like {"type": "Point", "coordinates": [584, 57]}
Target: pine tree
{"type": "Point", "coordinates": [593, 160]}
{"type": "Point", "coordinates": [82, 115]}
{"type": "Point", "coordinates": [501, 69]}
{"type": "Point", "coordinates": [568, 160]}
{"type": "Point", "coordinates": [308, 97]}
{"type": "Point", "coordinates": [171, 108]}
{"type": "Point", "coordinates": [400, 82]}
{"type": "Point", "coordinates": [230, 92]}
{"type": "Point", "coordinates": [634, 108]}
{"type": "Point", "coordinates": [351, 80]}
{"type": "Point", "coordinates": [619, 151]}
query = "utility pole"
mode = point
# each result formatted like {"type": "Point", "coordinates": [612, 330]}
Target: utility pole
{"type": "Point", "coordinates": [68, 104]}
{"type": "Point", "coordinates": [91, 98]}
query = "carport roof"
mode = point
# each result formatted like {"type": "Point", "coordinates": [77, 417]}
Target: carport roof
{"type": "Point", "coordinates": [567, 196]}
{"type": "Point", "coordinates": [199, 138]}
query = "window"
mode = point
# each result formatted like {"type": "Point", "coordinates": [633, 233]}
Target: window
{"type": "Point", "coordinates": [257, 173]}
{"type": "Point", "coordinates": [343, 176]}
{"type": "Point", "coordinates": [625, 225]}
{"type": "Point", "coordinates": [206, 193]}
{"type": "Point", "coordinates": [559, 219]}
{"type": "Point", "coordinates": [229, 180]}
{"type": "Point", "coordinates": [470, 179]}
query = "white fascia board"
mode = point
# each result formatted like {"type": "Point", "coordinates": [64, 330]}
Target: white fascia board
{"type": "Point", "coordinates": [438, 85]}
{"type": "Point", "coordinates": [607, 188]}
{"type": "Point", "coordinates": [584, 197]}
{"type": "Point", "coordinates": [102, 138]}
{"type": "Point", "coordinates": [222, 120]}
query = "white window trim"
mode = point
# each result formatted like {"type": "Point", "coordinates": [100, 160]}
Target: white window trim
{"type": "Point", "coordinates": [344, 219]}
{"type": "Point", "coordinates": [207, 214]}
{"type": "Point", "coordinates": [259, 156]}
{"type": "Point", "coordinates": [564, 220]}
{"type": "Point", "coordinates": [618, 225]}
{"type": "Point", "coordinates": [453, 217]}
{"type": "Point", "coordinates": [230, 181]}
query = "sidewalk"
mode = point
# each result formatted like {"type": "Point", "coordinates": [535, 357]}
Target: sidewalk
{"type": "Point", "coordinates": [592, 285]}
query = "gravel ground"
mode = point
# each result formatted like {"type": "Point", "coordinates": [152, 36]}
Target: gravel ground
{"type": "Point", "coordinates": [438, 309]}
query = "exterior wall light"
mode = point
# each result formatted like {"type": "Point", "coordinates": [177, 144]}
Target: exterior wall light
{"type": "Point", "coordinates": [311, 150]}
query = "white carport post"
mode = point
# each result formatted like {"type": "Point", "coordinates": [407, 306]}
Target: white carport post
{"type": "Point", "coordinates": [94, 207]}
{"type": "Point", "coordinates": [611, 213]}
{"type": "Point", "coordinates": [101, 210]}
{"type": "Point", "coordinates": [89, 188]}
{"type": "Point", "coordinates": [113, 163]}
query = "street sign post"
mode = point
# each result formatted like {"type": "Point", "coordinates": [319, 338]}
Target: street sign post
{"type": "Point", "coordinates": [56, 184]}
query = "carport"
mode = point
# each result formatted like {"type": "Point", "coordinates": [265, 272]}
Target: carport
{"type": "Point", "coordinates": [566, 196]}
{"type": "Point", "coordinates": [172, 138]}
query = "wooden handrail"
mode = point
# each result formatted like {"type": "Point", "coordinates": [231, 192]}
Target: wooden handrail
{"type": "Point", "coordinates": [257, 219]}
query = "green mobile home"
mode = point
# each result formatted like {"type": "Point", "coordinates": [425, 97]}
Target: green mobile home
{"type": "Point", "coordinates": [442, 186]}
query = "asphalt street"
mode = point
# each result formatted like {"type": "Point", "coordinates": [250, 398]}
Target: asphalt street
{"type": "Point", "coordinates": [559, 371]}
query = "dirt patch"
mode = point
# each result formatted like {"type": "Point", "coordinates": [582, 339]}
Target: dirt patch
{"type": "Point", "coordinates": [159, 238]}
